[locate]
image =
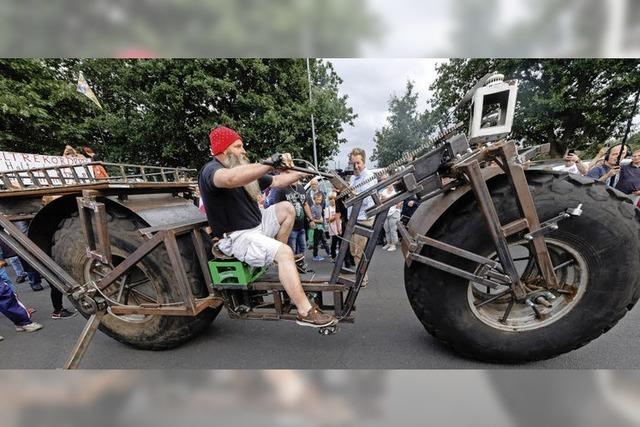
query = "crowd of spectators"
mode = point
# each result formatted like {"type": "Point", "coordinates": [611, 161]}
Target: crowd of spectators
{"type": "Point", "coordinates": [321, 217]}
{"type": "Point", "coordinates": [609, 166]}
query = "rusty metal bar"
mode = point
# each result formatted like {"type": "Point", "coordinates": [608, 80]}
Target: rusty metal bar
{"type": "Point", "coordinates": [182, 280]}
{"type": "Point", "coordinates": [277, 301]}
{"type": "Point", "coordinates": [454, 270]}
{"type": "Point", "coordinates": [47, 177]}
{"type": "Point", "coordinates": [6, 180]}
{"type": "Point", "coordinates": [518, 181]}
{"type": "Point", "coordinates": [85, 223]}
{"type": "Point", "coordinates": [253, 315]}
{"type": "Point", "coordinates": [455, 250]}
{"type": "Point", "coordinates": [76, 178]}
{"type": "Point", "coordinates": [515, 227]}
{"type": "Point", "coordinates": [337, 303]}
{"type": "Point", "coordinates": [36, 257]}
{"type": "Point", "coordinates": [198, 245]}
{"type": "Point", "coordinates": [344, 244]}
{"type": "Point", "coordinates": [94, 228]}
{"type": "Point", "coordinates": [307, 286]}
{"type": "Point", "coordinates": [87, 172]}
{"type": "Point", "coordinates": [362, 230]}
{"type": "Point", "coordinates": [33, 178]}
{"type": "Point", "coordinates": [199, 306]}
{"type": "Point", "coordinates": [178, 227]}
{"type": "Point", "coordinates": [20, 181]}
{"type": "Point", "coordinates": [363, 265]}
{"type": "Point", "coordinates": [82, 345]}
{"type": "Point", "coordinates": [131, 260]}
{"type": "Point", "coordinates": [488, 210]}
{"type": "Point", "coordinates": [60, 176]}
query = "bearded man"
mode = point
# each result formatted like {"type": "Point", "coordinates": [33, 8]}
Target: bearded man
{"type": "Point", "coordinates": [230, 186]}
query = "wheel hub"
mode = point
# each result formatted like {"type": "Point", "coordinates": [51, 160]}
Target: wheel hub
{"type": "Point", "coordinates": [541, 306]}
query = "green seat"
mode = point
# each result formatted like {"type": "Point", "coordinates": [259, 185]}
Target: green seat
{"type": "Point", "coordinates": [234, 274]}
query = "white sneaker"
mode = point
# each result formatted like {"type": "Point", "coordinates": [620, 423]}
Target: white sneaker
{"type": "Point", "coordinates": [31, 327]}
{"type": "Point", "coordinates": [1, 337]}
{"type": "Point", "coordinates": [391, 248]}
{"type": "Point", "coordinates": [385, 247]}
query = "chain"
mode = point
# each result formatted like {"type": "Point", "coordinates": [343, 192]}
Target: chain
{"type": "Point", "coordinates": [405, 158]}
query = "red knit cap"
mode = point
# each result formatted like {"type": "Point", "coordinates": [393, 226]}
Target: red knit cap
{"type": "Point", "coordinates": [221, 138]}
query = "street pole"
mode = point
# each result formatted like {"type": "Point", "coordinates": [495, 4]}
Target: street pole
{"type": "Point", "coordinates": [313, 123]}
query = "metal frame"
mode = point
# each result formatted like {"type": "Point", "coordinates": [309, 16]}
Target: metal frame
{"type": "Point", "coordinates": [82, 174]}
{"type": "Point", "coordinates": [450, 164]}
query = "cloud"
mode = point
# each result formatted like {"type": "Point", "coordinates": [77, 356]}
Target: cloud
{"type": "Point", "coordinates": [370, 83]}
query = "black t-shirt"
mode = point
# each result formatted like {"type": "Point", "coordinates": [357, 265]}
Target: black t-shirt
{"type": "Point", "coordinates": [228, 209]}
{"type": "Point", "coordinates": [629, 179]}
{"type": "Point", "coordinates": [296, 197]}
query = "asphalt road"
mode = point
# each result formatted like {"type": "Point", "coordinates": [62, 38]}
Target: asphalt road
{"type": "Point", "coordinates": [385, 335]}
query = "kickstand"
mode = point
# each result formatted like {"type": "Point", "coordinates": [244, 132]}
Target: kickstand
{"type": "Point", "coordinates": [84, 340]}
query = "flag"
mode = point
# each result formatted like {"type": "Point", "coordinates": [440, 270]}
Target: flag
{"type": "Point", "coordinates": [83, 88]}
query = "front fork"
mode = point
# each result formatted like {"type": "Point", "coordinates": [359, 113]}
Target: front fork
{"type": "Point", "coordinates": [504, 154]}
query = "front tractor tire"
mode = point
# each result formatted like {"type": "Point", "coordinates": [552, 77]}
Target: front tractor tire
{"type": "Point", "coordinates": [150, 281]}
{"type": "Point", "coordinates": [596, 255]}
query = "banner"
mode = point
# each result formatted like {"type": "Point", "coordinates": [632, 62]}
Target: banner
{"type": "Point", "coordinates": [10, 161]}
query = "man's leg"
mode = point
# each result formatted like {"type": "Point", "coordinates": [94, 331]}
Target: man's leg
{"type": "Point", "coordinates": [393, 230]}
{"type": "Point", "coordinates": [316, 241]}
{"type": "Point", "coordinates": [308, 315]}
{"type": "Point", "coordinates": [4, 276]}
{"type": "Point", "coordinates": [35, 280]}
{"type": "Point", "coordinates": [325, 246]}
{"type": "Point", "coordinates": [11, 307]}
{"type": "Point", "coordinates": [290, 279]}
{"type": "Point", "coordinates": [292, 241]}
{"type": "Point", "coordinates": [301, 245]}
{"type": "Point", "coordinates": [286, 214]}
{"type": "Point", "coordinates": [15, 263]}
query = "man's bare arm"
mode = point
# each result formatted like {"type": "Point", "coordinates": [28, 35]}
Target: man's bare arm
{"type": "Point", "coordinates": [285, 179]}
{"type": "Point", "coordinates": [240, 175]}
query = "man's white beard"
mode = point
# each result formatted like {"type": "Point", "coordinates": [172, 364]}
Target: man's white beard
{"type": "Point", "coordinates": [252, 188]}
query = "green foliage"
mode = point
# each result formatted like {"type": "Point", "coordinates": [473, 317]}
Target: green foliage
{"type": "Point", "coordinates": [406, 128]}
{"type": "Point", "coordinates": [161, 111]}
{"type": "Point", "coordinates": [572, 103]}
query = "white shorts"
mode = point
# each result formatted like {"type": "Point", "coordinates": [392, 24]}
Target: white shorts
{"type": "Point", "coordinates": [256, 246]}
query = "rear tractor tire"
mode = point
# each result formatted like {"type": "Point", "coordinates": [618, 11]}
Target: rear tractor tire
{"type": "Point", "coordinates": [150, 281]}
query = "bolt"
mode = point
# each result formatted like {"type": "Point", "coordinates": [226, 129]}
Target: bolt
{"type": "Point", "coordinates": [542, 301]}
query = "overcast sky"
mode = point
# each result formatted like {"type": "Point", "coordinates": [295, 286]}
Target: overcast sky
{"type": "Point", "coordinates": [369, 84]}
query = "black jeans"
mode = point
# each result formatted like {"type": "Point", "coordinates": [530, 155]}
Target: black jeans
{"type": "Point", "coordinates": [335, 244]}
{"type": "Point", "coordinates": [318, 238]}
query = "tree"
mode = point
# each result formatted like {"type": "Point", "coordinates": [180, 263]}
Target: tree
{"type": "Point", "coordinates": [161, 111]}
{"type": "Point", "coordinates": [406, 128]}
{"type": "Point", "coordinates": [573, 103]}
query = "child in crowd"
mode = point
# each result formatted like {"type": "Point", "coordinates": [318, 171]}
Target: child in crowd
{"type": "Point", "coordinates": [335, 224]}
{"type": "Point", "coordinates": [318, 225]}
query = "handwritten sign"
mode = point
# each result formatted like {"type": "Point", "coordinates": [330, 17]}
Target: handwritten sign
{"type": "Point", "coordinates": [10, 161]}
